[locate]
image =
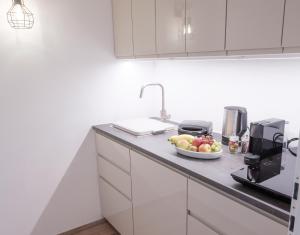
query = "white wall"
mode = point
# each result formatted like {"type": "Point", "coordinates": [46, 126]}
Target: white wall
{"type": "Point", "coordinates": [60, 78]}
{"type": "Point", "coordinates": [56, 81]}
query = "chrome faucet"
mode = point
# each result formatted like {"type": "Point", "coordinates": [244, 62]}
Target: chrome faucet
{"type": "Point", "coordinates": [163, 113]}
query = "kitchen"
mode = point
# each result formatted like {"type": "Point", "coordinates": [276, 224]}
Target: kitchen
{"type": "Point", "coordinates": [62, 77]}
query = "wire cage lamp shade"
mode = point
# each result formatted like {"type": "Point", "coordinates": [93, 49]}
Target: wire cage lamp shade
{"type": "Point", "coordinates": [19, 16]}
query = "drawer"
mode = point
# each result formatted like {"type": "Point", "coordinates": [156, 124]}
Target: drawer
{"type": "Point", "coordinates": [195, 227]}
{"type": "Point", "coordinates": [115, 176]}
{"type": "Point", "coordinates": [227, 216]}
{"type": "Point", "coordinates": [113, 151]}
{"type": "Point", "coordinates": [116, 208]}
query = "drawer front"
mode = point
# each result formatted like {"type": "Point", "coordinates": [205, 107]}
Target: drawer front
{"type": "Point", "coordinates": [116, 208]}
{"type": "Point", "coordinates": [115, 176]}
{"type": "Point", "coordinates": [227, 216]}
{"type": "Point", "coordinates": [195, 227]}
{"type": "Point", "coordinates": [113, 151]}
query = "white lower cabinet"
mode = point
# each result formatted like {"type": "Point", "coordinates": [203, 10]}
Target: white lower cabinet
{"type": "Point", "coordinates": [159, 198]}
{"type": "Point", "coordinates": [195, 227]}
{"type": "Point", "coordinates": [116, 208]}
{"type": "Point", "coordinates": [226, 216]}
{"type": "Point", "coordinates": [142, 196]}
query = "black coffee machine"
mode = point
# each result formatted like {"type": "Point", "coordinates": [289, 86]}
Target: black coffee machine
{"type": "Point", "coordinates": [266, 140]}
{"type": "Point", "coordinates": [267, 167]}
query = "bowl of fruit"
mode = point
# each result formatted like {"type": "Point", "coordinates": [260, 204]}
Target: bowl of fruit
{"type": "Point", "coordinates": [203, 147]}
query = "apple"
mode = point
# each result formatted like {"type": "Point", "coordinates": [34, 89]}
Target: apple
{"type": "Point", "coordinates": [197, 141]}
{"type": "Point", "coordinates": [206, 141]}
{"type": "Point", "coordinates": [183, 144]}
{"type": "Point", "coordinates": [204, 148]}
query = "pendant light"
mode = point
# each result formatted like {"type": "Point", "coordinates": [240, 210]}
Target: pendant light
{"type": "Point", "coordinates": [19, 16]}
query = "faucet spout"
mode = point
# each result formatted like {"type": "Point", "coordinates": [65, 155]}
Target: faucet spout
{"type": "Point", "coordinates": [163, 113]}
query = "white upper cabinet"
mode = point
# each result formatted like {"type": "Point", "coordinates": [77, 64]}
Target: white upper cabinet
{"type": "Point", "coordinates": [254, 24]}
{"type": "Point", "coordinates": [122, 21]}
{"type": "Point", "coordinates": [291, 31]}
{"type": "Point", "coordinates": [170, 26]}
{"type": "Point", "coordinates": [205, 25]}
{"type": "Point", "coordinates": [151, 28]}
{"type": "Point", "coordinates": [143, 16]}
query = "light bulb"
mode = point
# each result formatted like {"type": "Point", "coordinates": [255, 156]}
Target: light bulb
{"type": "Point", "coordinates": [18, 12]}
{"type": "Point", "coordinates": [19, 17]}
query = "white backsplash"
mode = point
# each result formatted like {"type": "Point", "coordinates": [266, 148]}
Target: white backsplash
{"type": "Point", "coordinates": [199, 89]}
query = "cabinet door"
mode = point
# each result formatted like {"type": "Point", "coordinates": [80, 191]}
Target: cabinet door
{"type": "Point", "coordinates": [195, 227]}
{"type": "Point", "coordinates": [143, 15]}
{"type": "Point", "coordinates": [170, 26]}
{"type": "Point", "coordinates": [291, 32]}
{"type": "Point", "coordinates": [159, 198]}
{"type": "Point", "coordinates": [254, 24]}
{"type": "Point", "coordinates": [205, 25]}
{"type": "Point", "coordinates": [227, 216]}
{"type": "Point", "coordinates": [122, 28]}
{"type": "Point", "coordinates": [116, 208]}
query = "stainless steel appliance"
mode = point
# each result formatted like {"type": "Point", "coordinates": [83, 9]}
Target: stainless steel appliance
{"type": "Point", "coordinates": [234, 122]}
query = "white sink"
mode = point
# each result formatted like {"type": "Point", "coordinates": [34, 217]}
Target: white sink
{"type": "Point", "coordinates": [143, 126]}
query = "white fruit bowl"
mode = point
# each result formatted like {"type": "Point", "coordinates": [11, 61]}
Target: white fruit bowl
{"type": "Point", "coordinates": [200, 155]}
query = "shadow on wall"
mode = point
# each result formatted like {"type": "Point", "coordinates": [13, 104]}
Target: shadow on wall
{"type": "Point", "coordinates": [78, 190]}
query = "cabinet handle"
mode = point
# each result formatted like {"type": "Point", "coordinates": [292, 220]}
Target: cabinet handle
{"type": "Point", "coordinates": [187, 29]}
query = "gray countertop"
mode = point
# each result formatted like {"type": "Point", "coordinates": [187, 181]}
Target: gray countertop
{"type": "Point", "coordinates": [213, 172]}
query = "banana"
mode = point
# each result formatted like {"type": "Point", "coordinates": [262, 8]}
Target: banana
{"type": "Point", "coordinates": [189, 138]}
{"type": "Point", "coordinates": [175, 138]}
